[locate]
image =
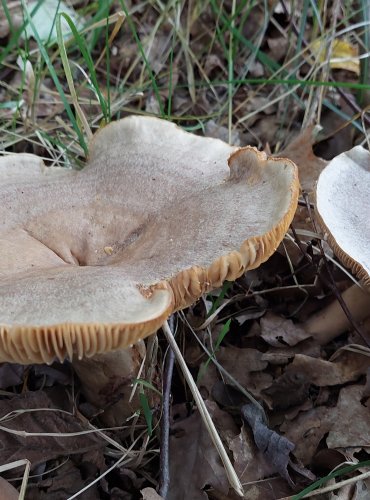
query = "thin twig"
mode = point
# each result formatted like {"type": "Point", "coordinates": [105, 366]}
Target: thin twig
{"type": "Point", "coordinates": [164, 468]}
{"type": "Point", "coordinates": [300, 246]}
{"type": "Point", "coordinates": [231, 379]}
{"type": "Point", "coordinates": [202, 408]}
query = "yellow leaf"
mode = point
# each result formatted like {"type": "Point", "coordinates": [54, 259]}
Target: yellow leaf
{"type": "Point", "coordinates": [344, 55]}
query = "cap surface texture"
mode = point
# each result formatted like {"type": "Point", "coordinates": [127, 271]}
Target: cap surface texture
{"type": "Point", "coordinates": [94, 260]}
{"type": "Point", "coordinates": [343, 208]}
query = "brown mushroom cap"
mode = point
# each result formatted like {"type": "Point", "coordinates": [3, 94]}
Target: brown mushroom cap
{"type": "Point", "coordinates": [343, 208]}
{"type": "Point", "coordinates": [97, 259]}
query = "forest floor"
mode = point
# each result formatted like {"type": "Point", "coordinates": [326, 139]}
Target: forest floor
{"type": "Point", "coordinates": [290, 407]}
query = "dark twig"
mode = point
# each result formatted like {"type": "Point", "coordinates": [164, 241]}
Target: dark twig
{"type": "Point", "coordinates": [303, 203]}
{"type": "Point", "coordinates": [164, 468]}
{"type": "Point", "coordinates": [300, 246]}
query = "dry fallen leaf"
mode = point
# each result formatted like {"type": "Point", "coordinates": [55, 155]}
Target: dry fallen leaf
{"type": "Point", "coordinates": [194, 461]}
{"type": "Point", "coordinates": [213, 129]}
{"type": "Point", "coordinates": [275, 448]}
{"type": "Point", "coordinates": [150, 494]}
{"type": "Point", "coordinates": [343, 55]}
{"type": "Point", "coordinates": [367, 384]}
{"type": "Point", "coordinates": [43, 20]}
{"type": "Point", "coordinates": [241, 362]}
{"type": "Point", "coordinates": [278, 46]}
{"type": "Point", "coordinates": [347, 425]}
{"type": "Point", "coordinates": [11, 374]}
{"type": "Point", "coordinates": [66, 481]}
{"type": "Point", "coordinates": [351, 427]}
{"type": "Point", "coordinates": [55, 373]}
{"type": "Point", "coordinates": [362, 490]}
{"type": "Point", "coordinates": [7, 491]}
{"type": "Point", "coordinates": [249, 462]}
{"type": "Point", "coordinates": [348, 367]}
{"type": "Point", "coordinates": [228, 396]}
{"type": "Point", "coordinates": [279, 332]}
{"type": "Point", "coordinates": [309, 165]}
{"type": "Point", "coordinates": [282, 355]}
{"type": "Point", "coordinates": [223, 421]}
{"type": "Point", "coordinates": [39, 449]}
{"type": "Point", "coordinates": [266, 129]}
{"type": "Point", "coordinates": [290, 389]}
{"type": "Point", "coordinates": [307, 430]}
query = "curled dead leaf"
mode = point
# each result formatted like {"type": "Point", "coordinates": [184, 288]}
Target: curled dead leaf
{"type": "Point", "coordinates": [275, 448]}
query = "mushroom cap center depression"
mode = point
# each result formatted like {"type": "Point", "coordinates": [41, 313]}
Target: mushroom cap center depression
{"type": "Point", "coordinates": [152, 202]}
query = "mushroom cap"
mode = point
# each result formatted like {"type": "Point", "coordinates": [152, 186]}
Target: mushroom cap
{"type": "Point", "coordinates": [94, 260]}
{"type": "Point", "coordinates": [343, 209]}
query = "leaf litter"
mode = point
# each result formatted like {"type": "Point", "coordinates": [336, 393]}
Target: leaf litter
{"type": "Point", "coordinates": [316, 397]}
{"type": "Point", "coordinates": [31, 427]}
{"type": "Point", "coordinates": [194, 456]}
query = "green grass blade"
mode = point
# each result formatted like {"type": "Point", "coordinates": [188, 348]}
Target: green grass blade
{"type": "Point", "coordinates": [67, 71]}
{"type": "Point", "coordinates": [261, 56]}
{"type": "Point", "coordinates": [101, 13]}
{"type": "Point", "coordinates": [320, 482]}
{"type": "Point", "coordinates": [224, 331]}
{"type": "Point", "coordinates": [8, 17]}
{"type": "Point", "coordinates": [147, 412]}
{"type": "Point", "coordinates": [170, 89]}
{"type": "Point", "coordinates": [145, 59]}
{"type": "Point", "coordinates": [56, 81]}
{"type": "Point", "coordinates": [303, 25]}
{"type": "Point", "coordinates": [225, 288]}
{"type": "Point", "coordinates": [90, 65]}
{"type": "Point", "coordinates": [146, 384]}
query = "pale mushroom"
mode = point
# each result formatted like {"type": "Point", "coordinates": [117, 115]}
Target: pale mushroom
{"type": "Point", "coordinates": [343, 211]}
{"type": "Point", "coordinates": [92, 261]}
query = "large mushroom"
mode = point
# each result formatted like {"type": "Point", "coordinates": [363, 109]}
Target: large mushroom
{"type": "Point", "coordinates": [343, 211]}
{"type": "Point", "coordinates": [92, 261]}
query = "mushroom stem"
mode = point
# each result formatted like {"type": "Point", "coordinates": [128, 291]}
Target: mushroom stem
{"type": "Point", "coordinates": [202, 408]}
{"type": "Point", "coordinates": [331, 321]}
{"type": "Point", "coordinates": [106, 381]}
